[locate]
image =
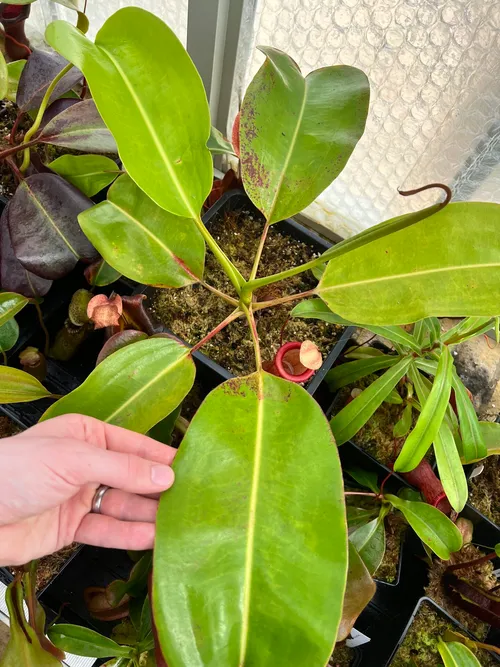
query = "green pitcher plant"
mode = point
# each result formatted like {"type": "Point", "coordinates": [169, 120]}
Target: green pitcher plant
{"type": "Point", "coordinates": [251, 555]}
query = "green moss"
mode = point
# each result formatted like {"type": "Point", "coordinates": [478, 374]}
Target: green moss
{"type": "Point", "coordinates": [342, 656]}
{"type": "Point", "coordinates": [484, 490]}
{"type": "Point", "coordinates": [419, 647]}
{"type": "Point", "coordinates": [482, 575]}
{"type": "Point", "coordinates": [192, 312]}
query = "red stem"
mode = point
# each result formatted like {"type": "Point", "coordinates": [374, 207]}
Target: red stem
{"type": "Point", "coordinates": [472, 563]}
{"type": "Point", "coordinates": [230, 318]}
{"type": "Point", "coordinates": [15, 126]}
{"type": "Point", "coordinates": [18, 149]}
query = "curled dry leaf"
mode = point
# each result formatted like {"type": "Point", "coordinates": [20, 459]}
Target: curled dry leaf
{"type": "Point", "coordinates": [310, 356]}
{"type": "Point", "coordinates": [105, 311]}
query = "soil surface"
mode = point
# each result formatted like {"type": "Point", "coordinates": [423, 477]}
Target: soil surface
{"type": "Point", "coordinates": [482, 575]}
{"type": "Point", "coordinates": [342, 656]}
{"type": "Point", "coordinates": [484, 490]}
{"type": "Point", "coordinates": [419, 648]}
{"type": "Point", "coordinates": [192, 312]}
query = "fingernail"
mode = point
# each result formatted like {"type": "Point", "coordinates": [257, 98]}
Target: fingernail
{"type": "Point", "coordinates": [162, 476]}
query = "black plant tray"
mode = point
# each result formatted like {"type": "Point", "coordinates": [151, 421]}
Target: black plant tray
{"type": "Point", "coordinates": [237, 200]}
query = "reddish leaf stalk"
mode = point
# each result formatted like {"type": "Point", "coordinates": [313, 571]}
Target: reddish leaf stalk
{"type": "Point", "coordinates": [285, 299]}
{"type": "Point", "coordinates": [230, 318]}
{"type": "Point", "coordinates": [429, 186]}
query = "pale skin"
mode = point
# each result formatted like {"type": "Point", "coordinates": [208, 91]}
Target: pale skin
{"type": "Point", "coordinates": [49, 475]}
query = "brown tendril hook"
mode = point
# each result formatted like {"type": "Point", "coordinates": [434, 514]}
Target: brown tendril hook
{"type": "Point", "coordinates": [445, 188]}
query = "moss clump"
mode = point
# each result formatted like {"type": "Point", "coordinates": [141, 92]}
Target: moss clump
{"type": "Point", "coordinates": [192, 312]}
{"type": "Point", "coordinates": [342, 656]}
{"type": "Point", "coordinates": [484, 490]}
{"type": "Point", "coordinates": [481, 575]}
{"type": "Point", "coordinates": [8, 428]}
{"type": "Point", "coordinates": [420, 646]}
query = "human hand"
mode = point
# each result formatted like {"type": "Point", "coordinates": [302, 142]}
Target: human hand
{"type": "Point", "coordinates": [49, 475]}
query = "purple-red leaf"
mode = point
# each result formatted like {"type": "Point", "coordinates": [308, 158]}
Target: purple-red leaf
{"type": "Point", "coordinates": [36, 76]}
{"type": "Point", "coordinates": [13, 276]}
{"type": "Point", "coordinates": [119, 340]}
{"type": "Point", "coordinates": [58, 107]}
{"type": "Point", "coordinates": [44, 229]}
{"type": "Point", "coordinates": [79, 127]}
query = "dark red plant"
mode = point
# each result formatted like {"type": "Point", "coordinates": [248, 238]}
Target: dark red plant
{"type": "Point", "coordinates": [424, 479]}
{"type": "Point", "coordinates": [13, 18]}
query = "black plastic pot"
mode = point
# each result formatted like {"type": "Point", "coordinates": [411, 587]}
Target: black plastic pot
{"type": "Point", "coordinates": [237, 200]}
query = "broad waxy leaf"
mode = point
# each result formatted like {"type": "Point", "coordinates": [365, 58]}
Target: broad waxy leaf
{"type": "Point", "coordinates": [452, 270]}
{"type": "Point", "coordinates": [136, 584]}
{"type": "Point", "coordinates": [135, 387]}
{"type": "Point", "coordinates": [451, 472]}
{"type": "Point", "coordinates": [13, 276]}
{"type": "Point", "coordinates": [253, 565]}
{"type": "Point", "coordinates": [369, 541]}
{"type": "Point", "coordinates": [39, 71]}
{"type": "Point", "coordinates": [345, 374]}
{"type": "Point", "coordinates": [44, 228]}
{"type": "Point", "coordinates": [296, 133]}
{"type": "Point", "coordinates": [350, 419]}
{"type": "Point", "coordinates": [4, 77]}
{"type": "Point", "coordinates": [317, 310]}
{"type": "Point", "coordinates": [430, 419]}
{"type": "Point", "coordinates": [364, 478]}
{"type": "Point", "coordinates": [473, 445]}
{"type": "Point", "coordinates": [84, 641]}
{"type": "Point", "coordinates": [431, 525]}
{"type": "Point", "coordinates": [79, 127]}
{"type": "Point", "coordinates": [16, 386]}
{"type": "Point", "coordinates": [360, 589]}
{"type": "Point", "coordinates": [217, 144]}
{"type": "Point", "coordinates": [119, 340]}
{"type": "Point", "coordinates": [152, 77]}
{"type": "Point", "coordinates": [143, 241]}
{"type": "Point", "coordinates": [88, 173]}
{"type": "Point", "coordinates": [402, 427]}
{"type": "Point", "coordinates": [357, 516]}
{"type": "Point", "coordinates": [10, 304]}
{"type": "Point", "coordinates": [14, 71]}
{"type": "Point", "coordinates": [9, 333]}
{"type": "Point", "coordinates": [455, 654]}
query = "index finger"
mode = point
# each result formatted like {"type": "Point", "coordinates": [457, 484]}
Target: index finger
{"type": "Point", "coordinates": [103, 435]}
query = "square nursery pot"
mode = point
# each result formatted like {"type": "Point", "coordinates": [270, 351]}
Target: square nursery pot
{"type": "Point", "coordinates": [238, 200]}
{"type": "Point", "coordinates": [441, 612]}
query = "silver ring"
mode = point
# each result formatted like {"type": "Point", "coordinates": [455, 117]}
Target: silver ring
{"type": "Point", "coordinates": [97, 500]}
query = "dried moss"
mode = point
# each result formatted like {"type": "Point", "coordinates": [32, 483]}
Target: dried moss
{"type": "Point", "coordinates": [419, 647]}
{"type": "Point", "coordinates": [484, 490]}
{"type": "Point", "coordinates": [481, 575]}
{"type": "Point", "coordinates": [50, 566]}
{"type": "Point", "coordinates": [193, 311]}
{"type": "Point", "coordinates": [342, 656]}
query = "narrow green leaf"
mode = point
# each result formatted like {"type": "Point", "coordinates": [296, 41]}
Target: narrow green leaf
{"type": "Point", "coordinates": [394, 398]}
{"type": "Point", "coordinates": [419, 331]}
{"type": "Point", "coordinates": [135, 387]}
{"type": "Point", "coordinates": [16, 386]}
{"type": "Point", "coordinates": [357, 516]}
{"type": "Point", "coordinates": [350, 419]}
{"type": "Point", "coordinates": [369, 541]}
{"type": "Point", "coordinates": [429, 366]}
{"type": "Point", "coordinates": [217, 144]}
{"type": "Point", "coordinates": [161, 130]}
{"type": "Point", "coordinates": [88, 173]}
{"type": "Point", "coordinates": [84, 641]}
{"type": "Point", "coordinates": [317, 310]}
{"type": "Point", "coordinates": [289, 123]}
{"type": "Point", "coordinates": [14, 71]}
{"type": "Point", "coordinates": [359, 591]}
{"type": "Point", "coordinates": [467, 328]}
{"type": "Point", "coordinates": [4, 77]}
{"type": "Point", "coordinates": [363, 352]}
{"type": "Point", "coordinates": [364, 478]}
{"type": "Point", "coordinates": [318, 271]}
{"type": "Point", "coordinates": [490, 432]}
{"type": "Point", "coordinates": [9, 333]}
{"type": "Point", "coordinates": [450, 468]}
{"type": "Point", "coordinates": [345, 374]}
{"type": "Point", "coordinates": [455, 654]}
{"type": "Point", "coordinates": [473, 444]}
{"type": "Point", "coordinates": [497, 550]}
{"type": "Point", "coordinates": [402, 426]}
{"type": "Point", "coordinates": [283, 545]}
{"type": "Point", "coordinates": [396, 335]}
{"type": "Point", "coordinates": [452, 271]}
{"type": "Point", "coordinates": [10, 304]}
{"type": "Point", "coordinates": [143, 241]}
{"type": "Point", "coordinates": [431, 525]}
{"type": "Point", "coordinates": [430, 419]}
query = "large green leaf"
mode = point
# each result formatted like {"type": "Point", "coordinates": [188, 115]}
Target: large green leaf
{"type": "Point", "coordinates": [10, 304]}
{"type": "Point", "coordinates": [431, 525]}
{"type": "Point", "coordinates": [359, 591]}
{"type": "Point", "coordinates": [9, 333]}
{"type": "Point", "coordinates": [4, 77]}
{"type": "Point", "coordinates": [296, 133]}
{"type": "Point", "coordinates": [316, 309]}
{"type": "Point", "coordinates": [135, 387]}
{"type": "Point", "coordinates": [455, 654]}
{"type": "Point", "coordinates": [16, 386]}
{"type": "Point", "coordinates": [430, 419]}
{"type": "Point", "coordinates": [143, 241]}
{"type": "Point", "coordinates": [369, 541]}
{"type": "Point", "coordinates": [250, 558]}
{"type": "Point", "coordinates": [451, 472]}
{"type": "Point", "coordinates": [453, 270]}
{"type": "Point", "coordinates": [345, 374]}
{"type": "Point", "coordinates": [151, 97]}
{"type": "Point", "coordinates": [89, 173]}
{"type": "Point", "coordinates": [217, 144]}
{"type": "Point", "coordinates": [14, 71]}
{"type": "Point", "coordinates": [350, 419]}
{"type": "Point", "coordinates": [366, 478]}
{"type": "Point", "coordinates": [84, 641]}
{"type": "Point", "coordinates": [473, 445]}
